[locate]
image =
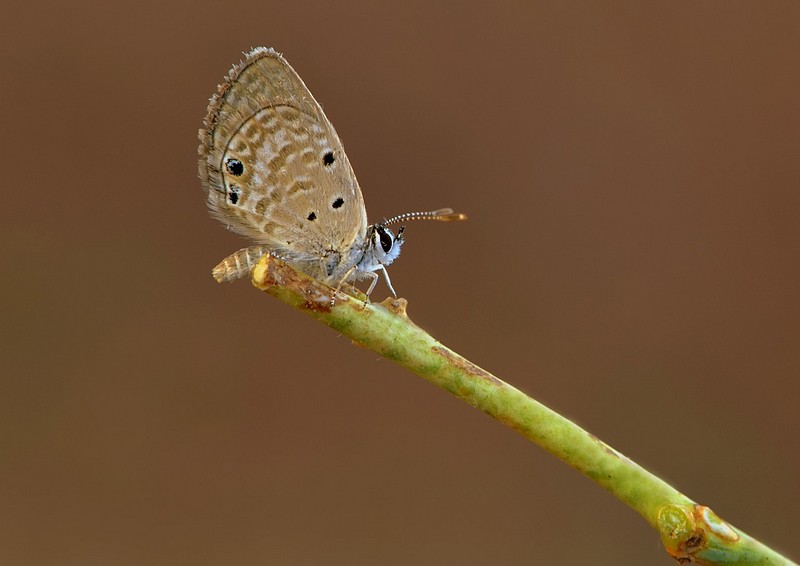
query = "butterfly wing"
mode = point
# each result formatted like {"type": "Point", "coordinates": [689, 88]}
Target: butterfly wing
{"type": "Point", "coordinates": [275, 170]}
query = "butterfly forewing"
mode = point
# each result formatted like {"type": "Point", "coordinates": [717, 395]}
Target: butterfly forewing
{"type": "Point", "coordinates": [275, 169]}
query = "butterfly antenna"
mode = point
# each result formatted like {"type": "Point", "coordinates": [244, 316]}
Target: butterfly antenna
{"type": "Point", "coordinates": [443, 214]}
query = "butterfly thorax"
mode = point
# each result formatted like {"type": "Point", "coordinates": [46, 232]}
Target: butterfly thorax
{"type": "Point", "coordinates": [331, 266]}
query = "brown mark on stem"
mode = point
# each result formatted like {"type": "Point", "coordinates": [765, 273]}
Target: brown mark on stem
{"type": "Point", "coordinates": [317, 300]}
{"type": "Point", "coordinates": [687, 548]}
{"type": "Point", "coordinates": [605, 447]}
{"type": "Point", "coordinates": [271, 273]}
{"type": "Point", "coordinates": [707, 525]}
{"type": "Point", "coordinates": [465, 365]}
{"type": "Point", "coordinates": [397, 306]}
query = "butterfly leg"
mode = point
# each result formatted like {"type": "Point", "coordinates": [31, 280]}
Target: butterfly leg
{"type": "Point", "coordinates": [339, 286]}
{"type": "Point", "coordinates": [372, 283]}
{"type": "Point", "coordinates": [388, 282]}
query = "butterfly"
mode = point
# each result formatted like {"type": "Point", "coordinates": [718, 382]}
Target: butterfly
{"type": "Point", "coordinates": [275, 171]}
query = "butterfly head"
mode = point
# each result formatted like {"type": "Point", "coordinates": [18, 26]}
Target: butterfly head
{"type": "Point", "coordinates": [382, 247]}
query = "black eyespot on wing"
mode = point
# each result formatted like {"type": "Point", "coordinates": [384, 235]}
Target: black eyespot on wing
{"type": "Point", "coordinates": [338, 203]}
{"type": "Point", "coordinates": [234, 193]}
{"type": "Point", "coordinates": [312, 216]}
{"type": "Point", "coordinates": [234, 167]}
{"type": "Point", "coordinates": [385, 238]}
{"type": "Point", "coordinates": [328, 158]}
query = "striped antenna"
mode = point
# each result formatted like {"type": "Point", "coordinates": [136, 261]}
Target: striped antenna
{"type": "Point", "coordinates": [443, 214]}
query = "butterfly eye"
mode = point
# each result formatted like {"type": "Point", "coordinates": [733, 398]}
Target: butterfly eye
{"type": "Point", "coordinates": [328, 158]}
{"type": "Point", "coordinates": [385, 238]}
{"type": "Point", "coordinates": [234, 167]}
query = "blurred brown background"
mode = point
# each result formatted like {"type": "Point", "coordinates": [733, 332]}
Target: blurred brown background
{"type": "Point", "coordinates": [631, 175]}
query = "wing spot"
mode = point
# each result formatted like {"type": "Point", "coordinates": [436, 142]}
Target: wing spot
{"type": "Point", "coordinates": [312, 216]}
{"type": "Point", "coordinates": [338, 203]}
{"type": "Point", "coordinates": [234, 194]}
{"type": "Point", "coordinates": [234, 167]}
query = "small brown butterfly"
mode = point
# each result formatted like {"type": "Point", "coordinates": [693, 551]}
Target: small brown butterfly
{"type": "Point", "coordinates": [276, 172]}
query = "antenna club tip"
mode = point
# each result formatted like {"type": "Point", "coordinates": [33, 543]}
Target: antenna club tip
{"type": "Point", "coordinates": [448, 215]}
{"type": "Point", "coordinates": [454, 216]}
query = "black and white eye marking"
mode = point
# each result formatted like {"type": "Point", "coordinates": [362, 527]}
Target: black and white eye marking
{"type": "Point", "coordinates": [234, 194]}
{"type": "Point", "coordinates": [312, 216]}
{"type": "Point", "coordinates": [385, 238]}
{"type": "Point", "coordinates": [328, 158]}
{"type": "Point", "coordinates": [234, 167]}
{"type": "Point", "coordinates": [338, 202]}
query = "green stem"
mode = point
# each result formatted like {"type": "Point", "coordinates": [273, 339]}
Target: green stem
{"type": "Point", "coordinates": [689, 532]}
